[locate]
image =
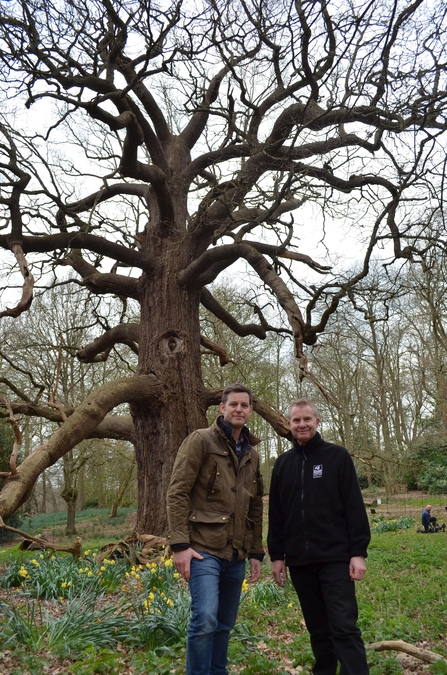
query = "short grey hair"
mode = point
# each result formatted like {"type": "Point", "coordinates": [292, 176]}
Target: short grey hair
{"type": "Point", "coordinates": [300, 403]}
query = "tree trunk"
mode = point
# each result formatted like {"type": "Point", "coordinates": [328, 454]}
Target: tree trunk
{"type": "Point", "coordinates": [44, 493]}
{"type": "Point", "coordinates": [169, 347]}
{"type": "Point", "coordinates": [122, 489]}
{"type": "Point", "coordinates": [71, 518]}
{"type": "Point", "coordinates": [70, 495]}
{"type": "Point", "coordinates": [81, 488]}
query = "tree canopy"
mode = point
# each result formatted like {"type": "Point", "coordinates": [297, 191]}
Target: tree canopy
{"type": "Point", "coordinates": [166, 141]}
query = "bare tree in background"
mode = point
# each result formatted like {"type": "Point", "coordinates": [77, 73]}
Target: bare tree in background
{"type": "Point", "coordinates": [212, 132]}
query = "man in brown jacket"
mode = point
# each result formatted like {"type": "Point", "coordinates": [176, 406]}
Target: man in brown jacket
{"type": "Point", "coordinates": [215, 522]}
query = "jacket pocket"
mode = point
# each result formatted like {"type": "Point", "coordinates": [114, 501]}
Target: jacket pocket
{"type": "Point", "coordinates": [213, 482]}
{"type": "Point", "coordinates": [209, 529]}
{"type": "Point", "coordinates": [248, 535]}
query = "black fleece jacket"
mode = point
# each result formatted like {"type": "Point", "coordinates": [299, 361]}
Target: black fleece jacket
{"type": "Point", "coordinates": [316, 509]}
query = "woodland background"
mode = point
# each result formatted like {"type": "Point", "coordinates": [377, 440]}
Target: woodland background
{"type": "Point", "coordinates": [193, 193]}
{"type": "Point", "coordinates": [387, 369]}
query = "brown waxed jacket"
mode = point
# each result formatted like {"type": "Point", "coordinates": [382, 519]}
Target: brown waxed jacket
{"type": "Point", "coordinates": [214, 501]}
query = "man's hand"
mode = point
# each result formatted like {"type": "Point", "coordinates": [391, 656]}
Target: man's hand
{"type": "Point", "coordinates": [357, 568]}
{"type": "Point", "coordinates": [255, 570]}
{"type": "Point", "coordinates": [279, 570]}
{"type": "Point", "coordinates": [182, 561]}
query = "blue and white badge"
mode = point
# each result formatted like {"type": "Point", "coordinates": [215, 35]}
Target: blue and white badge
{"type": "Point", "coordinates": [318, 471]}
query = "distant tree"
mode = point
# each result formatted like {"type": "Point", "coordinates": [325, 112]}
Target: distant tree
{"type": "Point", "coordinates": [44, 343]}
{"type": "Point", "coordinates": [171, 140]}
{"type": "Point", "coordinates": [6, 445]}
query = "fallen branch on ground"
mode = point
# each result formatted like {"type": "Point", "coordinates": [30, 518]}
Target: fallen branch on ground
{"type": "Point", "coordinates": [75, 549]}
{"type": "Point", "coordinates": [136, 549]}
{"type": "Point", "coordinates": [400, 646]}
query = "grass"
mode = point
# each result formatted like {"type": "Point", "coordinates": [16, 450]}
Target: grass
{"type": "Point", "coordinates": [96, 518]}
{"type": "Point", "coordinates": [135, 622]}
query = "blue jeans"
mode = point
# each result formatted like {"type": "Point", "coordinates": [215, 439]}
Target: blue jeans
{"type": "Point", "coordinates": [215, 587]}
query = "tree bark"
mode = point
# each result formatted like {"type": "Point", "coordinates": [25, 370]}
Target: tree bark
{"type": "Point", "coordinates": [170, 348]}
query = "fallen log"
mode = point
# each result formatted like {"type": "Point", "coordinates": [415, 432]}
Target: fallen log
{"type": "Point", "coordinates": [75, 548]}
{"type": "Point", "coordinates": [136, 549]}
{"type": "Point", "coordinates": [400, 646]}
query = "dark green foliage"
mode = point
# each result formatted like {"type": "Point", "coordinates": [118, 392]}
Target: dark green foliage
{"type": "Point", "coordinates": [430, 464]}
{"type": "Point", "coordinates": [14, 521]}
{"type": "Point", "coordinates": [410, 479]}
{"type": "Point", "coordinates": [363, 482]}
{"type": "Point", "coordinates": [91, 503]}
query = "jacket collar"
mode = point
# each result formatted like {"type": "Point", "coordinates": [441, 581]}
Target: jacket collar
{"type": "Point", "coordinates": [226, 430]}
{"type": "Point", "coordinates": [310, 445]}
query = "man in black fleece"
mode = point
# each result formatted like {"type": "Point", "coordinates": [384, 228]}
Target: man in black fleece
{"type": "Point", "coordinates": [319, 529]}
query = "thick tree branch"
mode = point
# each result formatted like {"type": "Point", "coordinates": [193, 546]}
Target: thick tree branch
{"type": "Point", "coordinates": [401, 646]}
{"type": "Point", "coordinates": [118, 427]}
{"type": "Point", "coordinates": [205, 269]}
{"type": "Point", "coordinates": [101, 283]}
{"type": "Point", "coordinates": [216, 349]}
{"type": "Point", "coordinates": [283, 294]}
{"type": "Point", "coordinates": [80, 425]}
{"type": "Point", "coordinates": [125, 333]}
{"type": "Point", "coordinates": [28, 285]}
{"type": "Point", "coordinates": [89, 242]}
{"type": "Point", "coordinates": [211, 304]}
{"type": "Point", "coordinates": [75, 549]}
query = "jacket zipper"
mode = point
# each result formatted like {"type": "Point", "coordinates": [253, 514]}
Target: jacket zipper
{"type": "Point", "coordinates": [303, 462]}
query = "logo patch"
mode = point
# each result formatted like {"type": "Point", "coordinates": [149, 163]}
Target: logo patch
{"type": "Point", "coordinates": [318, 471]}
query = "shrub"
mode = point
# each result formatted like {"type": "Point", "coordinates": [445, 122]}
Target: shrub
{"type": "Point", "coordinates": [379, 525]}
{"type": "Point", "coordinates": [13, 521]}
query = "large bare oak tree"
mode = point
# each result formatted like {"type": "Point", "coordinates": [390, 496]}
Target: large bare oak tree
{"type": "Point", "coordinates": [211, 132]}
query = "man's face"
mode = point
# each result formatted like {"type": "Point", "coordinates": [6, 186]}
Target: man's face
{"type": "Point", "coordinates": [237, 409]}
{"type": "Point", "coordinates": [303, 423]}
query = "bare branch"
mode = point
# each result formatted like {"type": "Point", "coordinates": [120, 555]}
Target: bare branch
{"type": "Point", "coordinates": [211, 304]}
{"type": "Point", "coordinates": [101, 283]}
{"type": "Point", "coordinates": [425, 655]}
{"type": "Point", "coordinates": [128, 334]}
{"type": "Point", "coordinates": [28, 285]}
{"type": "Point", "coordinates": [75, 549]}
{"type": "Point", "coordinates": [216, 349]}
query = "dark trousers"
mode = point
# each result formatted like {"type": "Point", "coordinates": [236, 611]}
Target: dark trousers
{"type": "Point", "coordinates": [327, 598]}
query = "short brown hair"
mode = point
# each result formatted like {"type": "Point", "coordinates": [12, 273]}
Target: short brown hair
{"type": "Point", "coordinates": [237, 387]}
{"type": "Point", "coordinates": [300, 403]}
